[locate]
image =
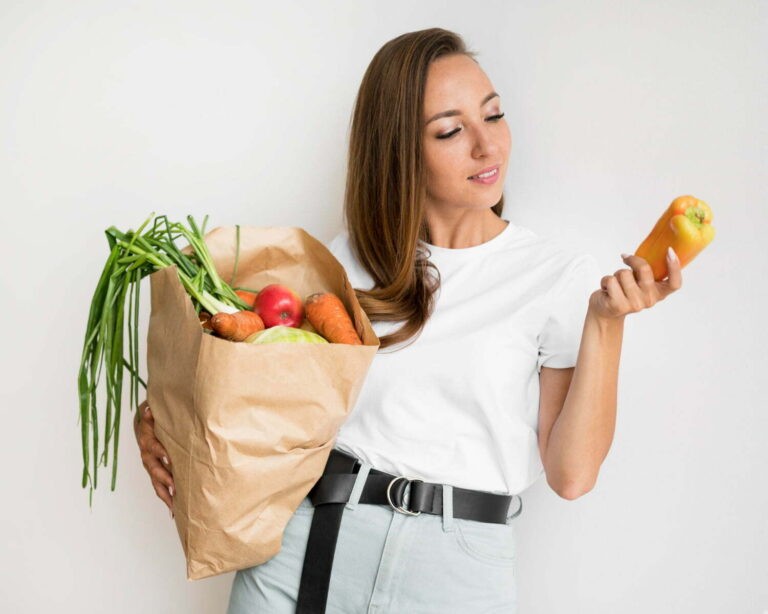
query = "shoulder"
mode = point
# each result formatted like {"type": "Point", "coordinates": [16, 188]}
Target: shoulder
{"type": "Point", "coordinates": [573, 273]}
{"type": "Point", "coordinates": [341, 247]}
{"type": "Point", "coordinates": [337, 241]}
{"type": "Point", "coordinates": [553, 258]}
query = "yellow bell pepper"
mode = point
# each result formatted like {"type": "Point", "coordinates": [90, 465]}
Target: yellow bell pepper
{"type": "Point", "coordinates": [686, 226]}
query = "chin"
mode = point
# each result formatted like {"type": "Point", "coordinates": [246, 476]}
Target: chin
{"type": "Point", "coordinates": [488, 201]}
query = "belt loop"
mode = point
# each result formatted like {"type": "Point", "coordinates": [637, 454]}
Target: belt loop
{"type": "Point", "coordinates": [357, 487]}
{"type": "Point", "coordinates": [447, 507]}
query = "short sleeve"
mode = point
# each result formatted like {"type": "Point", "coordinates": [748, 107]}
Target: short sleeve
{"type": "Point", "coordinates": [560, 337]}
{"type": "Point", "coordinates": [341, 249]}
{"type": "Point", "coordinates": [336, 244]}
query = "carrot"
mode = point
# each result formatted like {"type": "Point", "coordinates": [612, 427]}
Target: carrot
{"type": "Point", "coordinates": [327, 314]}
{"type": "Point", "coordinates": [237, 326]}
{"type": "Point", "coordinates": [205, 320]}
{"type": "Point", "coordinates": [247, 296]}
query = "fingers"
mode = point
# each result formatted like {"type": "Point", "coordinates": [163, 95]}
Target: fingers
{"type": "Point", "coordinates": [156, 449]}
{"type": "Point", "coordinates": [642, 271]}
{"type": "Point", "coordinates": [155, 458]}
{"type": "Point", "coordinates": [149, 443]}
{"type": "Point", "coordinates": [611, 286]}
{"type": "Point", "coordinates": [146, 431]}
{"type": "Point", "coordinates": [639, 285]}
{"type": "Point", "coordinates": [162, 492]}
{"type": "Point", "coordinates": [155, 469]}
{"type": "Point", "coordinates": [158, 473]}
{"type": "Point", "coordinates": [162, 479]}
{"type": "Point", "coordinates": [142, 415]}
{"type": "Point", "coordinates": [674, 280]}
{"type": "Point", "coordinates": [637, 297]}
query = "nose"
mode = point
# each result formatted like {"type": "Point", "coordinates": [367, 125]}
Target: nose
{"type": "Point", "coordinates": [487, 144]}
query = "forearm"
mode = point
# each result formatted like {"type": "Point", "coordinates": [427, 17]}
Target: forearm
{"type": "Point", "coordinates": [582, 433]}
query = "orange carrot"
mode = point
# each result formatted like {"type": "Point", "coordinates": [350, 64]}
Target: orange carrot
{"type": "Point", "coordinates": [237, 326]}
{"type": "Point", "coordinates": [205, 320]}
{"type": "Point", "coordinates": [247, 296]}
{"type": "Point", "coordinates": [327, 314]}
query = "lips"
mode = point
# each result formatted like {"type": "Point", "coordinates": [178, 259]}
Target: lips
{"type": "Point", "coordinates": [485, 170]}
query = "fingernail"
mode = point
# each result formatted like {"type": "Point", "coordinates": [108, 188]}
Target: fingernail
{"type": "Point", "coordinates": [171, 489]}
{"type": "Point", "coordinates": [165, 459]}
{"type": "Point", "coordinates": [146, 409]}
{"type": "Point", "coordinates": [671, 254]}
{"type": "Point", "coordinates": [624, 256]}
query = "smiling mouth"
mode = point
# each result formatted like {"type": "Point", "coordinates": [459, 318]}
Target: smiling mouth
{"type": "Point", "coordinates": [484, 175]}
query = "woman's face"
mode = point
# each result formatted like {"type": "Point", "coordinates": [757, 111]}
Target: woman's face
{"type": "Point", "coordinates": [466, 142]}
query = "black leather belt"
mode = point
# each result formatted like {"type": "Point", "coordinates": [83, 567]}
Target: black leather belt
{"type": "Point", "coordinates": [331, 492]}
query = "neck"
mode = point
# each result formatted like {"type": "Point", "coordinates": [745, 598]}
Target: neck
{"type": "Point", "coordinates": [466, 229]}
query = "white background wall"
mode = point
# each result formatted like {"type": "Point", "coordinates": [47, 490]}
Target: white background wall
{"type": "Point", "coordinates": [111, 110]}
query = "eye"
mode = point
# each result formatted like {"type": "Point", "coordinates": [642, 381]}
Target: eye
{"type": "Point", "coordinates": [494, 118]}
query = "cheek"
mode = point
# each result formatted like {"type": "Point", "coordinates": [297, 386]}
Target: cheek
{"type": "Point", "coordinates": [443, 166]}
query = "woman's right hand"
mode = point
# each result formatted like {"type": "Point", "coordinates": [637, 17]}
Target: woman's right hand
{"type": "Point", "coordinates": [153, 456]}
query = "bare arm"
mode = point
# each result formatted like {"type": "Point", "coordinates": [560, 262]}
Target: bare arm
{"type": "Point", "coordinates": [582, 433]}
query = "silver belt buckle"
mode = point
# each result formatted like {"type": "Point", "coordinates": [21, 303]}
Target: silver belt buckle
{"type": "Point", "coordinates": [389, 496]}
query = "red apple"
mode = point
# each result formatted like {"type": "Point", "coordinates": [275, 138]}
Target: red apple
{"type": "Point", "coordinates": [278, 305]}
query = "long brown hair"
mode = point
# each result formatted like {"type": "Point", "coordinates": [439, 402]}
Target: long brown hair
{"type": "Point", "coordinates": [386, 181]}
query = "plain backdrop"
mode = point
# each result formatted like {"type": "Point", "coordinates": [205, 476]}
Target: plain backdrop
{"type": "Point", "coordinates": [112, 110]}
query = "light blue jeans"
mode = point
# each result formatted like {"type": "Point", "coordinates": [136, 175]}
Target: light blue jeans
{"type": "Point", "coordinates": [390, 562]}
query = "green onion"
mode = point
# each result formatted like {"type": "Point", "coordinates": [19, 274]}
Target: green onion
{"type": "Point", "coordinates": [133, 255]}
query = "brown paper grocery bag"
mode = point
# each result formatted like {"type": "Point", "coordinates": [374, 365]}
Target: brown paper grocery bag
{"type": "Point", "coordinates": [248, 427]}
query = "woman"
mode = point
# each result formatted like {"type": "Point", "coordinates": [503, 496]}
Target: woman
{"type": "Point", "coordinates": [501, 325]}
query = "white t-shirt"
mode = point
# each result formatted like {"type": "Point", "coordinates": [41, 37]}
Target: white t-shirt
{"type": "Point", "coordinates": [459, 405]}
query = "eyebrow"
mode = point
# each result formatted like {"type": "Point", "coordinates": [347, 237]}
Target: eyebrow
{"type": "Point", "coordinates": [452, 112]}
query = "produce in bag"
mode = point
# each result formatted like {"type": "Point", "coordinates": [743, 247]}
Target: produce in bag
{"type": "Point", "coordinates": [134, 255]}
{"type": "Point", "coordinates": [287, 334]}
{"type": "Point", "coordinates": [248, 426]}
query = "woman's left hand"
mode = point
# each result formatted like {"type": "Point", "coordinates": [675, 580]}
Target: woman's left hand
{"type": "Point", "coordinates": [632, 290]}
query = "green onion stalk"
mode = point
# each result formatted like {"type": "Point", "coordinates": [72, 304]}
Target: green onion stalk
{"type": "Point", "coordinates": [133, 255]}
